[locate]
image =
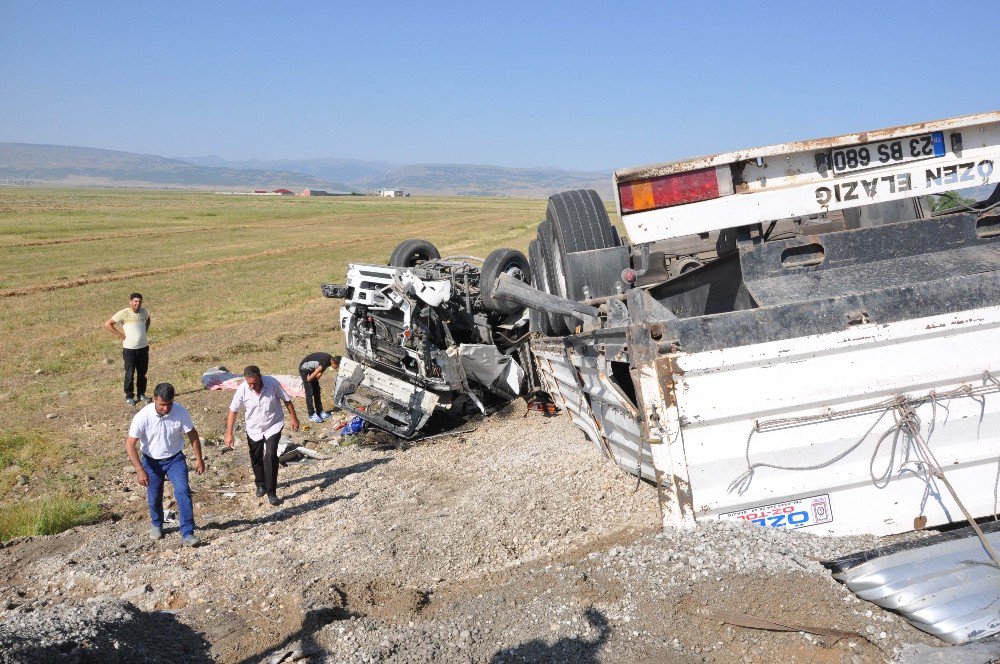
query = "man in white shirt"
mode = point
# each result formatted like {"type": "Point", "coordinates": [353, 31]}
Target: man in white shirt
{"type": "Point", "coordinates": [159, 429]}
{"type": "Point", "coordinates": [135, 321]}
{"type": "Point", "coordinates": [261, 397]}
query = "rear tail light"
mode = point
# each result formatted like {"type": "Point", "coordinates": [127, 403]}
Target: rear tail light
{"type": "Point", "coordinates": [675, 189]}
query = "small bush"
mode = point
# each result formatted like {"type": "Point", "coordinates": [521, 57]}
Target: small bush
{"type": "Point", "coordinates": [46, 517]}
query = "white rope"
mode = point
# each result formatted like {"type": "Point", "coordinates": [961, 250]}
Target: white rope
{"type": "Point", "coordinates": [892, 404]}
{"type": "Point", "coordinates": [906, 425]}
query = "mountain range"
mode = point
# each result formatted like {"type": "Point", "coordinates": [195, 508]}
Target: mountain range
{"type": "Point", "coordinates": [59, 165]}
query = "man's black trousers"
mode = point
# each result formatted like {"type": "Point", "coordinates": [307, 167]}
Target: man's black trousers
{"type": "Point", "coordinates": [136, 365]}
{"type": "Point", "coordinates": [313, 403]}
{"type": "Point", "coordinates": [264, 461]}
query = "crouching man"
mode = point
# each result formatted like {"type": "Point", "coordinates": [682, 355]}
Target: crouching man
{"type": "Point", "coordinates": [159, 428]}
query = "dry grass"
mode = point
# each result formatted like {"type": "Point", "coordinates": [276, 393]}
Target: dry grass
{"type": "Point", "coordinates": [227, 279]}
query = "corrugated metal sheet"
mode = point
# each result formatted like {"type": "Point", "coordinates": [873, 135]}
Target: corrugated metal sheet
{"type": "Point", "coordinates": [597, 406]}
{"type": "Point", "coordinates": [945, 585]}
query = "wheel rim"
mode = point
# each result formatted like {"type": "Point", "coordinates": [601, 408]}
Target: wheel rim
{"type": "Point", "coordinates": [514, 270]}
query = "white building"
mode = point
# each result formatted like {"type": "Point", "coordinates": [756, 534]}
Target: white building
{"type": "Point", "coordinates": [391, 193]}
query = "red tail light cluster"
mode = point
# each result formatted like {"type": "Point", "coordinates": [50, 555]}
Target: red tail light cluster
{"type": "Point", "coordinates": [675, 189]}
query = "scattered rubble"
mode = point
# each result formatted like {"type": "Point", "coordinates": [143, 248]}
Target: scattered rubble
{"type": "Point", "coordinates": [513, 542]}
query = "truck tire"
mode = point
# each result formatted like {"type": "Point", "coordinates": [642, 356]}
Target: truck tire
{"type": "Point", "coordinates": [409, 252]}
{"type": "Point", "coordinates": [557, 325]}
{"type": "Point", "coordinates": [502, 261]}
{"type": "Point", "coordinates": [580, 222]}
{"type": "Point", "coordinates": [538, 322]}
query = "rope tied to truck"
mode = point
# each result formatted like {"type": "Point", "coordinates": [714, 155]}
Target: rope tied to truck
{"type": "Point", "coordinates": [904, 437]}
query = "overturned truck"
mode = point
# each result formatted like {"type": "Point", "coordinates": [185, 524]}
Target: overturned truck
{"type": "Point", "coordinates": [804, 335]}
{"type": "Point", "coordinates": [422, 336]}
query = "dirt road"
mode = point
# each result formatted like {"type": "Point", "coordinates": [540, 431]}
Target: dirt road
{"type": "Point", "coordinates": [516, 542]}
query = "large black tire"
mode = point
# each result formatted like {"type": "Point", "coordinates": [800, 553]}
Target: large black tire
{"type": "Point", "coordinates": [557, 324]}
{"type": "Point", "coordinates": [538, 322]}
{"type": "Point", "coordinates": [409, 252]}
{"type": "Point", "coordinates": [502, 261]}
{"type": "Point", "coordinates": [580, 222]}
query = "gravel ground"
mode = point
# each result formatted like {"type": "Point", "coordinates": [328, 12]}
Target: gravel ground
{"type": "Point", "coordinates": [516, 542]}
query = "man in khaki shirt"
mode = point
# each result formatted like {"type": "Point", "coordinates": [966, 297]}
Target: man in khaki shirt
{"type": "Point", "coordinates": [134, 321]}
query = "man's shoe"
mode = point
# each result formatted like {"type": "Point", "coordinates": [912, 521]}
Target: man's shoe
{"type": "Point", "coordinates": [191, 540]}
{"type": "Point", "coordinates": [273, 499]}
{"type": "Point", "coordinates": [155, 532]}
{"type": "Point", "coordinates": [143, 398]}
{"type": "Point", "coordinates": [315, 418]}
{"type": "Point", "coordinates": [130, 401]}
{"type": "Point", "coordinates": [326, 415]}
{"type": "Point", "coordinates": [260, 491]}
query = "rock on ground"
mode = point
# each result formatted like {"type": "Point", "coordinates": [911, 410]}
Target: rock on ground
{"type": "Point", "coordinates": [516, 542]}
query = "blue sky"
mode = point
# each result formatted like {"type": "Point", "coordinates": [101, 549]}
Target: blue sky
{"type": "Point", "coordinates": [576, 85]}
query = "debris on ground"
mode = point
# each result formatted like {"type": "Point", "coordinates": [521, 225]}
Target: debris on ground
{"type": "Point", "coordinates": [513, 542]}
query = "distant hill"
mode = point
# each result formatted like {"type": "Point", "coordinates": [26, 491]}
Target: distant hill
{"type": "Point", "coordinates": [28, 164]}
{"type": "Point", "coordinates": [338, 170]}
{"type": "Point", "coordinates": [23, 163]}
{"type": "Point", "coordinates": [433, 179]}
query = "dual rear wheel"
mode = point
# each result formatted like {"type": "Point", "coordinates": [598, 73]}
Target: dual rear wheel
{"type": "Point", "coordinates": [575, 221]}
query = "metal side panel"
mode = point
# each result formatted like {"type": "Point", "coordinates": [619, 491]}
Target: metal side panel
{"type": "Point", "coordinates": [561, 382]}
{"type": "Point", "coordinates": [598, 407]}
{"type": "Point", "coordinates": [946, 585]}
{"type": "Point", "coordinates": [815, 417]}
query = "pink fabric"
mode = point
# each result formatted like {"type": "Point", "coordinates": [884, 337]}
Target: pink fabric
{"type": "Point", "coordinates": [291, 384]}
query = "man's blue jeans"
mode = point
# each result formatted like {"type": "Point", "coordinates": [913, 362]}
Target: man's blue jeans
{"type": "Point", "coordinates": [175, 469]}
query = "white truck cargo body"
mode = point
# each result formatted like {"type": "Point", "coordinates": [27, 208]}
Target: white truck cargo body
{"type": "Point", "coordinates": [841, 375]}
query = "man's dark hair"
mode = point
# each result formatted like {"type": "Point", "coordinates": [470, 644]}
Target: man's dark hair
{"type": "Point", "coordinates": [252, 370]}
{"type": "Point", "coordinates": [135, 295]}
{"type": "Point", "coordinates": [165, 391]}
{"type": "Point", "coordinates": [336, 360]}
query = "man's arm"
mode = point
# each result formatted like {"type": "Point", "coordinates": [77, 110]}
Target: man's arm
{"type": "Point", "coordinates": [109, 325]}
{"type": "Point", "coordinates": [140, 472]}
{"type": "Point", "coordinates": [148, 321]}
{"type": "Point", "coordinates": [292, 416]}
{"type": "Point", "coordinates": [199, 462]}
{"type": "Point", "coordinates": [230, 421]}
{"type": "Point", "coordinates": [316, 374]}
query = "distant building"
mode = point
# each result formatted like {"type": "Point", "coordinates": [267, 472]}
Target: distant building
{"type": "Point", "coordinates": [284, 192]}
{"type": "Point", "coordinates": [314, 192]}
{"type": "Point", "coordinates": [260, 191]}
{"type": "Point", "coordinates": [391, 193]}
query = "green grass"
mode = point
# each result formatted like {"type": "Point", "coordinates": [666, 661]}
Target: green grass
{"type": "Point", "coordinates": [48, 516]}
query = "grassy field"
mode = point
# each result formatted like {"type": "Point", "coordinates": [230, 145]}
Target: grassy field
{"type": "Point", "coordinates": [229, 280]}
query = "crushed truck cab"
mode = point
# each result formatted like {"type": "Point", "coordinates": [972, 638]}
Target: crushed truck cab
{"type": "Point", "coordinates": [421, 337]}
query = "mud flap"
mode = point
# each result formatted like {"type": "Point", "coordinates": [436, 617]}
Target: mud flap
{"type": "Point", "coordinates": [386, 402]}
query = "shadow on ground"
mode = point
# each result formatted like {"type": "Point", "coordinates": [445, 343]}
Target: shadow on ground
{"type": "Point", "coordinates": [330, 477]}
{"type": "Point", "coordinates": [129, 636]}
{"type": "Point", "coordinates": [304, 640]}
{"type": "Point", "coordinates": [275, 517]}
{"type": "Point", "coordinates": [577, 650]}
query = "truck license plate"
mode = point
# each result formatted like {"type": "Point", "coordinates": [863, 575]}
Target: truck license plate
{"type": "Point", "coordinates": [800, 513]}
{"type": "Point", "coordinates": [882, 153]}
